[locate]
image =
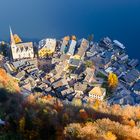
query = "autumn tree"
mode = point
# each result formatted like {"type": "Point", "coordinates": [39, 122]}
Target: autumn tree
{"type": "Point", "coordinates": [76, 102]}
{"type": "Point", "coordinates": [22, 124]}
{"type": "Point", "coordinates": [73, 37]}
{"type": "Point", "coordinates": [89, 64]}
{"type": "Point", "coordinates": [90, 37]}
{"type": "Point", "coordinates": [110, 136]}
{"type": "Point", "coordinates": [112, 80]}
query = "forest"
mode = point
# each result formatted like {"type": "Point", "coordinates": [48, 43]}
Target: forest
{"type": "Point", "coordinates": [43, 117]}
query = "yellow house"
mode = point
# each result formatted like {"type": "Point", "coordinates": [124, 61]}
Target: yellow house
{"type": "Point", "coordinates": [97, 93]}
{"type": "Point", "coordinates": [46, 47]}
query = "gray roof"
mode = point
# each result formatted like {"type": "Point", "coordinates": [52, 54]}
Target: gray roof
{"type": "Point", "coordinates": [131, 76]}
{"type": "Point", "coordinates": [133, 62]}
{"type": "Point", "coordinates": [72, 46]}
{"type": "Point", "coordinates": [20, 75]}
{"type": "Point", "coordinates": [80, 87]}
{"type": "Point", "coordinates": [67, 91]}
{"type": "Point", "coordinates": [136, 86]}
{"type": "Point", "coordinates": [89, 73]}
{"type": "Point", "coordinates": [84, 44]}
{"type": "Point", "coordinates": [74, 62]}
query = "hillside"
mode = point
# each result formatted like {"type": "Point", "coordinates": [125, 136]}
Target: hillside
{"type": "Point", "coordinates": [43, 117]}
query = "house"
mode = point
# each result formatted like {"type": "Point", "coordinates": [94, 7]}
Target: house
{"type": "Point", "coordinates": [79, 88]}
{"type": "Point", "coordinates": [74, 62]}
{"type": "Point", "coordinates": [55, 60]}
{"type": "Point", "coordinates": [48, 90]}
{"type": "Point", "coordinates": [72, 47]}
{"type": "Point", "coordinates": [136, 87]}
{"type": "Point", "coordinates": [20, 75]}
{"type": "Point", "coordinates": [97, 93]}
{"type": "Point", "coordinates": [9, 67]}
{"type": "Point", "coordinates": [133, 63]}
{"type": "Point", "coordinates": [89, 72]}
{"type": "Point", "coordinates": [118, 44]}
{"type": "Point", "coordinates": [131, 77]}
{"type": "Point", "coordinates": [64, 57]}
{"type": "Point", "coordinates": [21, 50]}
{"type": "Point", "coordinates": [124, 100]}
{"type": "Point", "coordinates": [92, 52]}
{"type": "Point", "coordinates": [59, 83]}
{"type": "Point", "coordinates": [84, 45]}
{"type": "Point", "coordinates": [31, 81]}
{"type": "Point", "coordinates": [105, 63]}
{"type": "Point", "coordinates": [123, 57]}
{"type": "Point", "coordinates": [61, 67]}
{"type": "Point", "coordinates": [106, 43]}
{"type": "Point", "coordinates": [27, 86]}
{"type": "Point", "coordinates": [73, 76]}
{"type": "Point", "coordinates": [1, 57]}
{"type": "Point", "coordinates": [66, 92]}
{"type": "Point", "coordinates": [64, 47]}
{"type": "Point", "coordinates": [108, 54]}
{"type": "Point", "coordinates": [46, 47]}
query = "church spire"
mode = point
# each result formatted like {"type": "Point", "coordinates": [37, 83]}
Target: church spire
{"type": "Point", "coordinates": [11, 36]}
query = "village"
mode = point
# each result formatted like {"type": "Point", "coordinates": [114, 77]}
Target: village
{"type": "Point", "coordinates": [72, 69]}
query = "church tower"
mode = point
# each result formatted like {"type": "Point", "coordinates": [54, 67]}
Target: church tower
{"type": "Point", "coordinates": [12, 37]}
{"type": "Point", "coordinates": [12, 43]}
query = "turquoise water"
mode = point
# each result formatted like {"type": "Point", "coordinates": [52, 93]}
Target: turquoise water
{"type": "Point", "coordinates": [36, 19]}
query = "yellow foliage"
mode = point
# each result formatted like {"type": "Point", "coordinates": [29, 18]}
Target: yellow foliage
{"type": "Point", "coordinates": [76, 102]}
{"type": "Point", "coordinates": [96, 105]}
{"type": "Point", "coordinates": [8, 82]}
{"type": "Point", "coordinates": [110, 136]}
{"type": "Point", "coordinates": [17, 39]}
{"type": "Point", "coordinates": [22, 124]}
{"type": "Point", "coordinates": [112, 80]}
{"type": "Point", "coordinates": [44, 52]}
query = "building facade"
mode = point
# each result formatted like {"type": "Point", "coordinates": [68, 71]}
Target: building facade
{"type": "Point", "coordinates": [21, 50]}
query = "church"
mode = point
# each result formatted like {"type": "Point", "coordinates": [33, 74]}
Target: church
{"type": "Point", "coordinates": [21, 50]}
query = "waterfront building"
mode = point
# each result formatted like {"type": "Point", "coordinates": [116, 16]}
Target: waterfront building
{"type": "Point", "coordinates": [46, 47]}
{"type": "Point", "coordinates": [21, 50]}
{"type": "Point", "coordinates": [84, 44]}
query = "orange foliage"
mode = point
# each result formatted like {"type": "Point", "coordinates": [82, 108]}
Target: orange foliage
{"type": "Point", "coordinates": [8, 82]}
{"type": "Point", "coordinates": [83, 114]}
{"type": "Point", "coordinates": [22, 124]}
{"type": "Point", "coordinates": [73, 37]}
{"type": "Point", "coordinates": [31, 99]}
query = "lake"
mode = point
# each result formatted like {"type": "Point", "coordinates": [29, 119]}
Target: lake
{"type": "Point", "coordinates": [37, 19]}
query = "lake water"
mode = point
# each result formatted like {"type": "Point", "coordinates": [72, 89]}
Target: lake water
{"type": "Point", "coordinates": [37, 19]}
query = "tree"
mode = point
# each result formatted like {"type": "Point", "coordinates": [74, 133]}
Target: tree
{"type": "Point", "coordinates": [83, 114]}
{"type": "Point", "coordinates": [73, 37]}
{"type": "Point", "coordinates": [76, 102]}
{"type": "Point", "coordinates": [110, 136]}
{"type": "Point", "coordinates": [88, 64]}
{"type": "Point", "coordinates": [22, 124]}
{"type": "Point", "coordinates": [112, 80]}
{"type": "Point", "coordinates": [90, 37]}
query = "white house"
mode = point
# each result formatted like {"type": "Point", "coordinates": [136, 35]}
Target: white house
{"type": "Point", "coordinates": [97, 93]}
